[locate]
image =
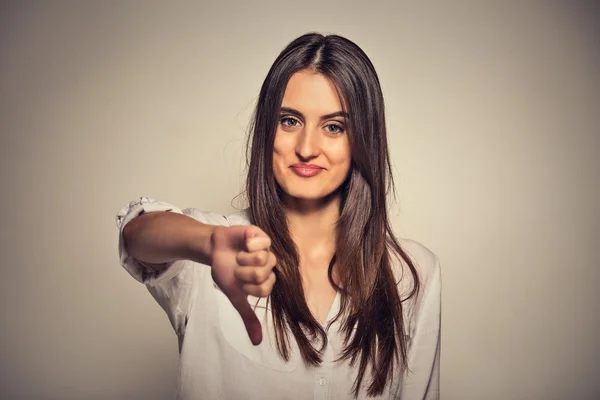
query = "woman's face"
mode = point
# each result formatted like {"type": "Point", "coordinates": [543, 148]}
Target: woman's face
{"type": "Point", "coordinates": [311, 154]}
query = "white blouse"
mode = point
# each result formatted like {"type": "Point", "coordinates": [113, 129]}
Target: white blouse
{"type": "Point", "coordinates": [217, 359]}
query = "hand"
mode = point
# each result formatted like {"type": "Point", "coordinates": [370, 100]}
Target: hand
{"type": "Point", "coordinates": [242, 265]}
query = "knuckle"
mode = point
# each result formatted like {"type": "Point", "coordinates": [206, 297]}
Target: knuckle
{"type": "Point", "coordinates": [247, 288]}
{"type": "Point", "coordinates": [264, 291]}
{"type": "Point", "coordinates": [262, 258]}
{"type": "Point", "coordinates": [239, 258]}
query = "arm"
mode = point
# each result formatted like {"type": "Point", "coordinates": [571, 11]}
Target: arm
{"type": "Point", "coordinates": [153, 265]}
{"type": "Point", "coordinates": [162, 237]}
{"type": "Point", "coordinates": [154, 243]}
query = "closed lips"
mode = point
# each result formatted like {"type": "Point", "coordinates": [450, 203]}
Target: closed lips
{"type": "Point", "coordinates": [306, 166]}
{"type": "Point", "coordinates": [306, 170]}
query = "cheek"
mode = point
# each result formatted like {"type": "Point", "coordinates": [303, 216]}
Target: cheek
{"type": "Point", "coordinates": [340, 154]}
{"type": "Point", "coordinates": [280, 150]}
{"type": "Point", "coordinates": [280, 146]}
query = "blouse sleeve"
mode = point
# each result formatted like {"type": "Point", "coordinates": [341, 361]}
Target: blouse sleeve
{"type": "Point", "coordinates": [141, 271]}
{"type": "Point", "coordinates": [173, 288]}
{"type": "Point", "coordinates": [422, 380]}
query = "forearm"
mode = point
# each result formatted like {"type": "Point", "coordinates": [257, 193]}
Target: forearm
{"type": "Point", "coordinates": [162, 237]}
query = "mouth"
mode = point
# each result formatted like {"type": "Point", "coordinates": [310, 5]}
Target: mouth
{"type": "Point", "coordinates": [306, 170]}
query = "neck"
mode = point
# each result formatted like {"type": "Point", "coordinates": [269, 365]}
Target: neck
{"type": "Point", "coordinates": [312, 225]}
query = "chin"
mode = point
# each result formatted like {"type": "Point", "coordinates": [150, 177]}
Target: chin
{"type": "Point", "coordinates": [310, 197]}
{"type": "Point", "coordinates": [307, 197]}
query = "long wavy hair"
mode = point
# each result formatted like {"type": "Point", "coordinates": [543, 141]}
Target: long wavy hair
{"type": "Point", "coordinates": [371, 317]}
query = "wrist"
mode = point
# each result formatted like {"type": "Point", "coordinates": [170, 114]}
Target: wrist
{"type": "Point", "coordinates": [200, 245]}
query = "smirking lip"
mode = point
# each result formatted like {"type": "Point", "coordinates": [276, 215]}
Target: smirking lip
{"type": "Point", "coordinates": [306, 171]}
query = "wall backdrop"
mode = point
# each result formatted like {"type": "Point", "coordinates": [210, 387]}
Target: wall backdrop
{"type": "Point", "coordinates": [493, 112]}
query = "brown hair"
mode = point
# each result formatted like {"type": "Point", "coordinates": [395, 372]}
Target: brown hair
{"type": "Point", "coordinates": [370, 314]}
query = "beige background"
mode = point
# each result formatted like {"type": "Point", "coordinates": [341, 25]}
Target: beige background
{"type": "Point", "coordinates": [493, 112]}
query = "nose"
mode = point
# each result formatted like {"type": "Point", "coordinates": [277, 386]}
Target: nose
{"type": "Point", "coordinates": [308, 145]}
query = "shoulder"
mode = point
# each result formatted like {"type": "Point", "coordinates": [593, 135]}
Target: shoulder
{"type": "Point", "coordinates": [426, 265]}
{"type": "Point", "coordinates": [239, 218]}
{"type": "Point", "coordinates": [426, 262]}
{"type": "Point", "coordinates": [212, 218]}
{"type": "Point", "coordinates": [426, 301]}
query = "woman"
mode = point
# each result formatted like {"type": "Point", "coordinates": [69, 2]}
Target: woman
{"type": "Point", "coordinates": [307, 293]}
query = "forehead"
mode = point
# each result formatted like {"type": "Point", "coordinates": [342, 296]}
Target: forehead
{"type": "Point", "coordinates": [311, 93]}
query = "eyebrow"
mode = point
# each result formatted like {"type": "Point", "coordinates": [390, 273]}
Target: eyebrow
{"type": "Point", "coordinates": [326, 116]}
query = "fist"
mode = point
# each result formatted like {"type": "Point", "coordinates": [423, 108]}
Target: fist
{"type": "Point", "coordinates": [242, 265]}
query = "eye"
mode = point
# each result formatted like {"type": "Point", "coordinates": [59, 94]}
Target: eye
{"type": "Point", "coordinates": [334, 129]}
{"type": "Point", "coordinates": [289, 122]}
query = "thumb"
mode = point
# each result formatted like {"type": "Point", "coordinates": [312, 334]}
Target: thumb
{"type": "Point", "coordinates": [250, 319]}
